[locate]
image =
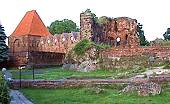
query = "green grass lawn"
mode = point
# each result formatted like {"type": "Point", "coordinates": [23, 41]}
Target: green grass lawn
{"type": "Point", "coordinates": [84, 96]}
{"type": "Point", "coordinates": [111, 94]}
{"type": "Point", "coordinates": [58, 73]}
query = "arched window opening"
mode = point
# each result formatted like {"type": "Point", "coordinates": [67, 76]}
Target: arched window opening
{"type": "Point", "coordinates": [16, 45]}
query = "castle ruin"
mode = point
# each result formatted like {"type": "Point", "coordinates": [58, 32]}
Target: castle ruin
{"type": "Point", "coordinates": [31, 42]}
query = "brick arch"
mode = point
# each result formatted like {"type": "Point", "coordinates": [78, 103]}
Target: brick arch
{"type": "Point", "coordinates": [16, 45]}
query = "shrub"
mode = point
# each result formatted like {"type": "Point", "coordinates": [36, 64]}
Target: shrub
{"type": "Point", "coordinates": [4, 92]}
{"type": "Point", "coordinates": [81, 47]}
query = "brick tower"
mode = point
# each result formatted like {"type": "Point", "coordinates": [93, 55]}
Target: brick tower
{"type": "Point", "coordinates": [86, 25]}
{"type": "Point", "coordinates": [27, 41]}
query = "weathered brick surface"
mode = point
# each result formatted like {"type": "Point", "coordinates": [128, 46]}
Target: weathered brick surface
{"type": "Point", "coordinates": [125, 29]}
{"type": "Point", "coordinates": [41, 50]}
{"type": "Point", "coordinates": [160, 52]}
{"type": "Point", "coordinates": [118, 32]}
{"type": "Point", "coordinates": [86, 26]}
{"type": "Point", "coordinates": [128, 57]}
{"type": "Point", "coordinates": [48, 47]}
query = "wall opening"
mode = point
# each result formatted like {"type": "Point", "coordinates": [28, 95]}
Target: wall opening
{"type": "Point", "coordinates": [118, 41]}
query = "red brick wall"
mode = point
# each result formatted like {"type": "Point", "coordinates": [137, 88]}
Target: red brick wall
{"type": "Point", "coordinates": [123, 28]}
{"type": "Point", "coordinates": [129, 57]}
{"type": "Point", "coordinates": [159, 51]}
{"type": "Point", "coordinates": [51, 47]}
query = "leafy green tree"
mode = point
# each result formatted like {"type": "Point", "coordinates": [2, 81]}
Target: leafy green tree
{"type": "Point", "coordinates": [140, 31]}
{"type": "Point", "coordinates": [63, 26]}
{"type": "Point", "coordinates": [3, 46]}
{"type": "Point", "coordinates": [166, 35]}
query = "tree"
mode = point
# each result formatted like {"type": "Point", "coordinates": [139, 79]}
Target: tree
{"type": "Point", "coordinates": [3, 46]}
{"type": "Point", "coordinates": [63, 26]}
{"type": "Point", "coordinates": [166, 35]}
{"type": "Point", "coordinates": [140, 31]}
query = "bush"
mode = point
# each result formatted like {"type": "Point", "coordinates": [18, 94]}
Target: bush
{"type": "Point", "coordinates": [81, 47]}
{"type": "Point", "coordinates": [4, 92]}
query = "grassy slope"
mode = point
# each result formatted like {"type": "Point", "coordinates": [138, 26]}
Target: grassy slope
{"type": "Point", "coordinates": [81, 96]}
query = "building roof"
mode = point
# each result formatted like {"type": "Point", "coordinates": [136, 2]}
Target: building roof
{"type": "Point", "coordinates": [31, 24]}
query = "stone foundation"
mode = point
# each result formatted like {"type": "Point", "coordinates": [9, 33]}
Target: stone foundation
{"type": "Point", "coordinates": [15, 84]}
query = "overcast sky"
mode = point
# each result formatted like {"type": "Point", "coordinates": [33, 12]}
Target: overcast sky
{"type": "Point", "coordinates": [153, 14]}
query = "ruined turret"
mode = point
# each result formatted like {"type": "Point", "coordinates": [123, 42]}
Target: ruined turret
{"type": "Point", "coordinates": [86, 25]}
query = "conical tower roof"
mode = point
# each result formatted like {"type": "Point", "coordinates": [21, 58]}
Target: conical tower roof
{"type": "Point", "coordinates": [31, 24]}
